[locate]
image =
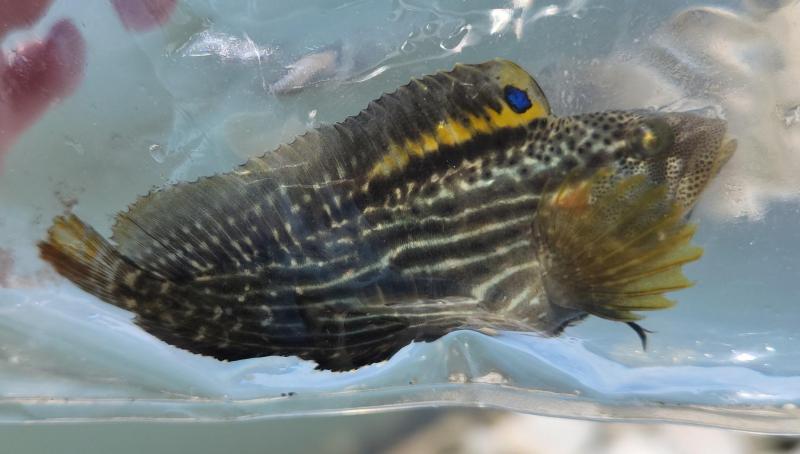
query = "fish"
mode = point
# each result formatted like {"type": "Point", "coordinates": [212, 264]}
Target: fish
{"type": "Point", "coordinates": [310, 69]}
{"type": "Point", "coordinates": [458, 201]}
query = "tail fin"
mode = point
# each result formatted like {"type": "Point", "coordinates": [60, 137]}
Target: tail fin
{"type": "Point", "coordinates": [613, 247]}
{"type": "Point", "coordinates": [84, 257]}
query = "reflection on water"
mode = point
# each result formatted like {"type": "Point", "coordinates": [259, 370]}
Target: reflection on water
{"type": "Point", "coordinates": [221, 82]}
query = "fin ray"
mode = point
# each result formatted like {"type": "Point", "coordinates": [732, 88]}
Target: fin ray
{"type": "Point", "coordinates": [177, 232]}
{"type": "Point", "coordinates": [84, 257]}
{"type": "Point", "coordinates": [613, 247]}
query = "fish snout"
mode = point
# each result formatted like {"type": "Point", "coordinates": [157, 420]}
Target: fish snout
{"type": "Point", "coordinates": [686, 151]}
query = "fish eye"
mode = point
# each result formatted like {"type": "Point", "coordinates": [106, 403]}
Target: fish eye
{"type": "Point", "coordinates": [516, 98]}
{"type": "Point", "coordinates": [656, 136]}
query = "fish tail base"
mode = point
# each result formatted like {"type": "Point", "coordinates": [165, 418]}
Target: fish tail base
{"type": "Point", "coordinates": [84, 257]}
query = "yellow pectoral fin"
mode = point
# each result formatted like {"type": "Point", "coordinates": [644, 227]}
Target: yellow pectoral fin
{"type": "Point", "coordinates": [613, 247]}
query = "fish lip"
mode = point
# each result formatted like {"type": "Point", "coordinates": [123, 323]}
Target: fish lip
{"type": "Point", "coordinates": [726, 151]}
{"type": "Point", "coordinates": [699, 147]}
{"type": "Point", "coordinates": [725, 145]}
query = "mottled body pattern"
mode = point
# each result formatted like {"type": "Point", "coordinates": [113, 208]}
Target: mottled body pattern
{"type": "Point", "coordinates": [412, 219]}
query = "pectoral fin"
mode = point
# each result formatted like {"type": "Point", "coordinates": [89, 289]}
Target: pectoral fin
{"type": "Point", "coordinates": [613, 248]}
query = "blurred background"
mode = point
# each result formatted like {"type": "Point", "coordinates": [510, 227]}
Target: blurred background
{"type": "Point", "coordinates": [429, 431]}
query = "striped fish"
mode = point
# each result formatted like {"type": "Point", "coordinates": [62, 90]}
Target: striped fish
{"type": "Point", "coordinates": [456, 202]}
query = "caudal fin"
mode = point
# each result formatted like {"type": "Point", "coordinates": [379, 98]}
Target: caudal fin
{"type": "Point", "coordinates": [84, 257]}
{"type": "Point", "coordinates": [613, 247]}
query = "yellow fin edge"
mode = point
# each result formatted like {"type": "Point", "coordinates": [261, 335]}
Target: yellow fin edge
{"type": "Point", "coordinates": [610, 246]}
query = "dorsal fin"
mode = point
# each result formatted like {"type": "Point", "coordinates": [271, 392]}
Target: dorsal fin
{"type": "Point", "coordinates": [228, 222]}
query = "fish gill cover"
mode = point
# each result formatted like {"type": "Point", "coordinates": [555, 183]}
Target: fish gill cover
{"type": "Point", "coordinates": [461, 239]}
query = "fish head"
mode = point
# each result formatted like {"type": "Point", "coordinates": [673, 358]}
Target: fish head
{"type": "Point", "coordinates": [682, 151]}
{"type": "Point", "coordinates": [613, 243]}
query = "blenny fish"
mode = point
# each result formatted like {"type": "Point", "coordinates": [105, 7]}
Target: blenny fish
{"type": "Point", "coordinates": [459, 201]}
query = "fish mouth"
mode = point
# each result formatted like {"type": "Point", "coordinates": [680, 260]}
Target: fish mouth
{"type": "Point", "coordinates": [686, 152]}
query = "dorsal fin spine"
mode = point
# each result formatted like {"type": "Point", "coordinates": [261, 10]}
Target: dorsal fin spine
{"type": "Point", "coordinates": [414, 123]}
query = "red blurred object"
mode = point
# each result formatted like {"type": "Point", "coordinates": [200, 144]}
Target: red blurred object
{"type": "Point", "coordinates": [142, 15]}
{"type": "Point", "coordinates": [36, 76]}
{"type": "Point", "coordinates": [41, 73]}
{"type": "Point", "coordinates": [19, 14]}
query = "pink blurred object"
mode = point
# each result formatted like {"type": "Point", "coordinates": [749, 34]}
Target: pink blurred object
{"type": "Point", "coordinates": [37, 75]}
{"type": "Point", "coordinates": [19, 14]}
{"type": "Point", "coordinates": [41, 73]}
{"type": "Point", "coordinates": [142, 15]}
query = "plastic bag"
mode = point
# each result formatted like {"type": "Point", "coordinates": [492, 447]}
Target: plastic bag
{"type": "Point", "coordinates": [218, 83]}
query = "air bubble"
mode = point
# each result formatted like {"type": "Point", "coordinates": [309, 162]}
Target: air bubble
{"type": "Point", "coordinates": [791, 117]}
{"type": "Point", "coordinates": [158, 153]}
{"type": "Point", "coordinates": [459, 40]}
{"type": "Point", "coordinates": [75, 145]}
{"type": "Point", "coordinates": [431, 28]}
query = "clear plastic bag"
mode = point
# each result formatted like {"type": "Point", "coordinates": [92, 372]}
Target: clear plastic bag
{"type": "Point", "coordinates": [218, 83]}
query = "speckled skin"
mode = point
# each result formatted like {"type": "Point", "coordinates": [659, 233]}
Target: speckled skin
{"type": "Point", "coordinates": [405, 222]}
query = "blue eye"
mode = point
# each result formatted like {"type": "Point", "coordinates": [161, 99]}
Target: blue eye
{"type": "Point", "coordinates": [517, 99]}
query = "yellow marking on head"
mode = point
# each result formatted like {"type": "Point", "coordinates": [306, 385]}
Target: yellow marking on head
{"type": "Point", "coordinates": [451, 132]}
{"type": "Point", "coordinates": [395, 158]}
{"type": "Point", "coordinates": [414, 148]}
{"type": "Point", "coordinates": [507, 118]}
{"type": "Point", "coordinates": [479, 124]}
{"type": "Point", "coordinates": [400, 155]}
{"type": "Point", "coordinates": [509, 73]}
{"type": "Point", "coordinates": [428, 143]}
{"type": "Point", "coordinates": [649, 139]}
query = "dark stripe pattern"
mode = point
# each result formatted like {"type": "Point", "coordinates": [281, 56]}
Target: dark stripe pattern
{"type": "Point", "coordinates": [303, 252]}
